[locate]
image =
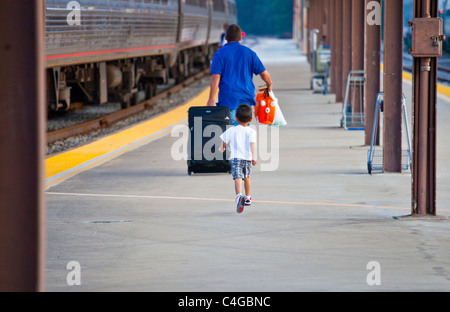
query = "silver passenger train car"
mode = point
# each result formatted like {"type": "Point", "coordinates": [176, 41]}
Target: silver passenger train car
{"type": "Point", "coordinates": [103, 51]}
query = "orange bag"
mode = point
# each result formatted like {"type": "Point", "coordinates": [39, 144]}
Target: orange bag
{"type": "Point", "coordinates": [265, 107]}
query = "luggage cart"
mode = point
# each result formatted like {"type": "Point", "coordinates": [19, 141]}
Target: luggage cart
{"type": "Point", "coordinates": [351, 120]}
{"type": "Point", "coordinates": [375, 157]}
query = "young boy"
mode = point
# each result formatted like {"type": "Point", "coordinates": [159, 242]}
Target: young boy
{"type": "Point", "coordinates": [242, 142]}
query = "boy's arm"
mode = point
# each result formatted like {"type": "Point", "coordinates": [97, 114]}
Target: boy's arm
{"type": "Point", "coordinates": [253, 149]}
{"type": "Point", "coordinates": [222, 147]}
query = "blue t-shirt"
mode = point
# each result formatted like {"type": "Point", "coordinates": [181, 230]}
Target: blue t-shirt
{"type": "Point", "coordinates": [236, 64]}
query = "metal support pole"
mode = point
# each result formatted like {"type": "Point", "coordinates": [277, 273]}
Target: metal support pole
{"type": "Point", "coordinates": [372, 66]}
{"type": "Point", "coordinates": [332, 35]}
{"type": "Point", "coordinates": [325, 20]}
{"type": "Point", "coordinates": [338, 51]}
{"type": "Point", "coordinates": [357, 33]}
{"type": "Point", "coordinates": [322, 11]}
{"type": "Point", "coordinates": [309, 19]}
{"type": "Point", "coordinates": [424, 124]}
{"type": "Point", "coordinates": [346, 42]}
{"type": "Point", "coordinates": [22, 137]}
{"type": "Point", "coordinates": [305, 25]}
{"type": "Point", "coordinates": [393, 86]}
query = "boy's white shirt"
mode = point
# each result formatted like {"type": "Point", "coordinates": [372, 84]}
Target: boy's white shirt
{"type": "Point", "coordinates": [239, 139]}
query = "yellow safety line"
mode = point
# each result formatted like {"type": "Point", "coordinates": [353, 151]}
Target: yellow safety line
{"type": "Point", "coordinates": [121, 142]}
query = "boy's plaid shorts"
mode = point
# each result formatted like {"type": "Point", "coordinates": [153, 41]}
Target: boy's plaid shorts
{"type": "Point", "coordinates": [241, 168]}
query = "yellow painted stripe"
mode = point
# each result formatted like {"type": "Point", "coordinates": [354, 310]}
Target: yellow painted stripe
{"type": "Point", "coordinates": [407, 76]}
{"type": "Point", "coordinates": [60, 163]}
{"type": "Point", "coordinates": [443, 90]}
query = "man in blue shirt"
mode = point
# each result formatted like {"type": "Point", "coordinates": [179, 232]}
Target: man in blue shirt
{"type": "Point", "coordinates": [232, 71]}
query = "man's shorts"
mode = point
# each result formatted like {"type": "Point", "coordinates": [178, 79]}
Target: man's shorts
{"type": "Point", "coordinates": [241, 168]}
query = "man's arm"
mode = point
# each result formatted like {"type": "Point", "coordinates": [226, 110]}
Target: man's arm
{"type": "Point", "coordinates": [213, 88]}
{"type": "Point", "coordinates": [266, 77]}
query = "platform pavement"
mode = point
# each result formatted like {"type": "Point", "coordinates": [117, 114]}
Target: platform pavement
{"type": "Point", "coordinates": [140, 223]}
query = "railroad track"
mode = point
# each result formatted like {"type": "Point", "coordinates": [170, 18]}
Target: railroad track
{"type": "Point", "coordinates": [110, 119]}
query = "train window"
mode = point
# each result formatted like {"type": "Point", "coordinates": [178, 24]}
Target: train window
{"type": "Point", "coordinates": [192, 2]}
{"type": "Point", "coordinates": [218, 5]}
{"type": "Point", "coordinates": [164, 2]}
{"type": "Point", "coordinates": [199, 3]}
{"type": "Point", "coordinates": [232, 8]}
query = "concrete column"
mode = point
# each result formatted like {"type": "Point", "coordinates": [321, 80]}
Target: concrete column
{"type": "Point", "coordinates": [22, 137]}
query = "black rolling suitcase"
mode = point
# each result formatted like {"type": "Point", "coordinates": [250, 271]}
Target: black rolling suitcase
{"type": "Point", "coordinates": [206, 124]}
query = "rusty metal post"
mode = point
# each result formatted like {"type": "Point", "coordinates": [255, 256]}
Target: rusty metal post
{"type": "Point", "coordinates": [332, 35]}
{"type": "Point", "coordinates": [301, 12]}
{"type": "Point", "coordinates": [393, 82]}
{"type": "Point", "coordinates": [325, 21]}
{"type": "Point", "coordinates": [309, 19]}
{"type": "Point", "coordinates": [322, 12]}
{"type": "Point", "coordinates": [22, 137]}
{"type": "Point", "coordinates": [372, 66]}
{"type": "Point", "coordinates": [357, 52]}
{"type": "Point", "coordinates": [338, 51]}
{"type": "Point", "coordinates": [424, 123]}
{"type": "Point", "coordinates": [346, 42]}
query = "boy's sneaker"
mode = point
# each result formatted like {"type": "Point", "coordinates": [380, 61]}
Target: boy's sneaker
{"type": "Point", "coordinates": [240, 203]}
{"type": "Point", "coordinates": [248, 201]}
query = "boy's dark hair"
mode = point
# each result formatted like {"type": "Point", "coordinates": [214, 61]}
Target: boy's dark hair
{"type": "Point", "coordinates": [234, 33]}
{"type": "Point", "coordinates": [244, 113]}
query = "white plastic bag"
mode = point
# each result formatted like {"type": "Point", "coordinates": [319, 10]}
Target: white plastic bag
{"type": "Point", "coordinates": [279, 120]}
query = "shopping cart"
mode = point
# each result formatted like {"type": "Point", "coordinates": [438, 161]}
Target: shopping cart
{"type": "Point", "coordinates": [353, 120]}
{"type": "Point", "coordinates": [375, 157]}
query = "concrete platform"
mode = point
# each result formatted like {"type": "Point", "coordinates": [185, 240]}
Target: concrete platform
{"type": "Point", "coordinates": [317, 223]}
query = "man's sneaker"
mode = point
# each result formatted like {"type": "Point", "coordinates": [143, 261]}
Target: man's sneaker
{"type": "Point", "coordinates": [240, 203]}
{"type": "Point", "coordinates": [248, 201]}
